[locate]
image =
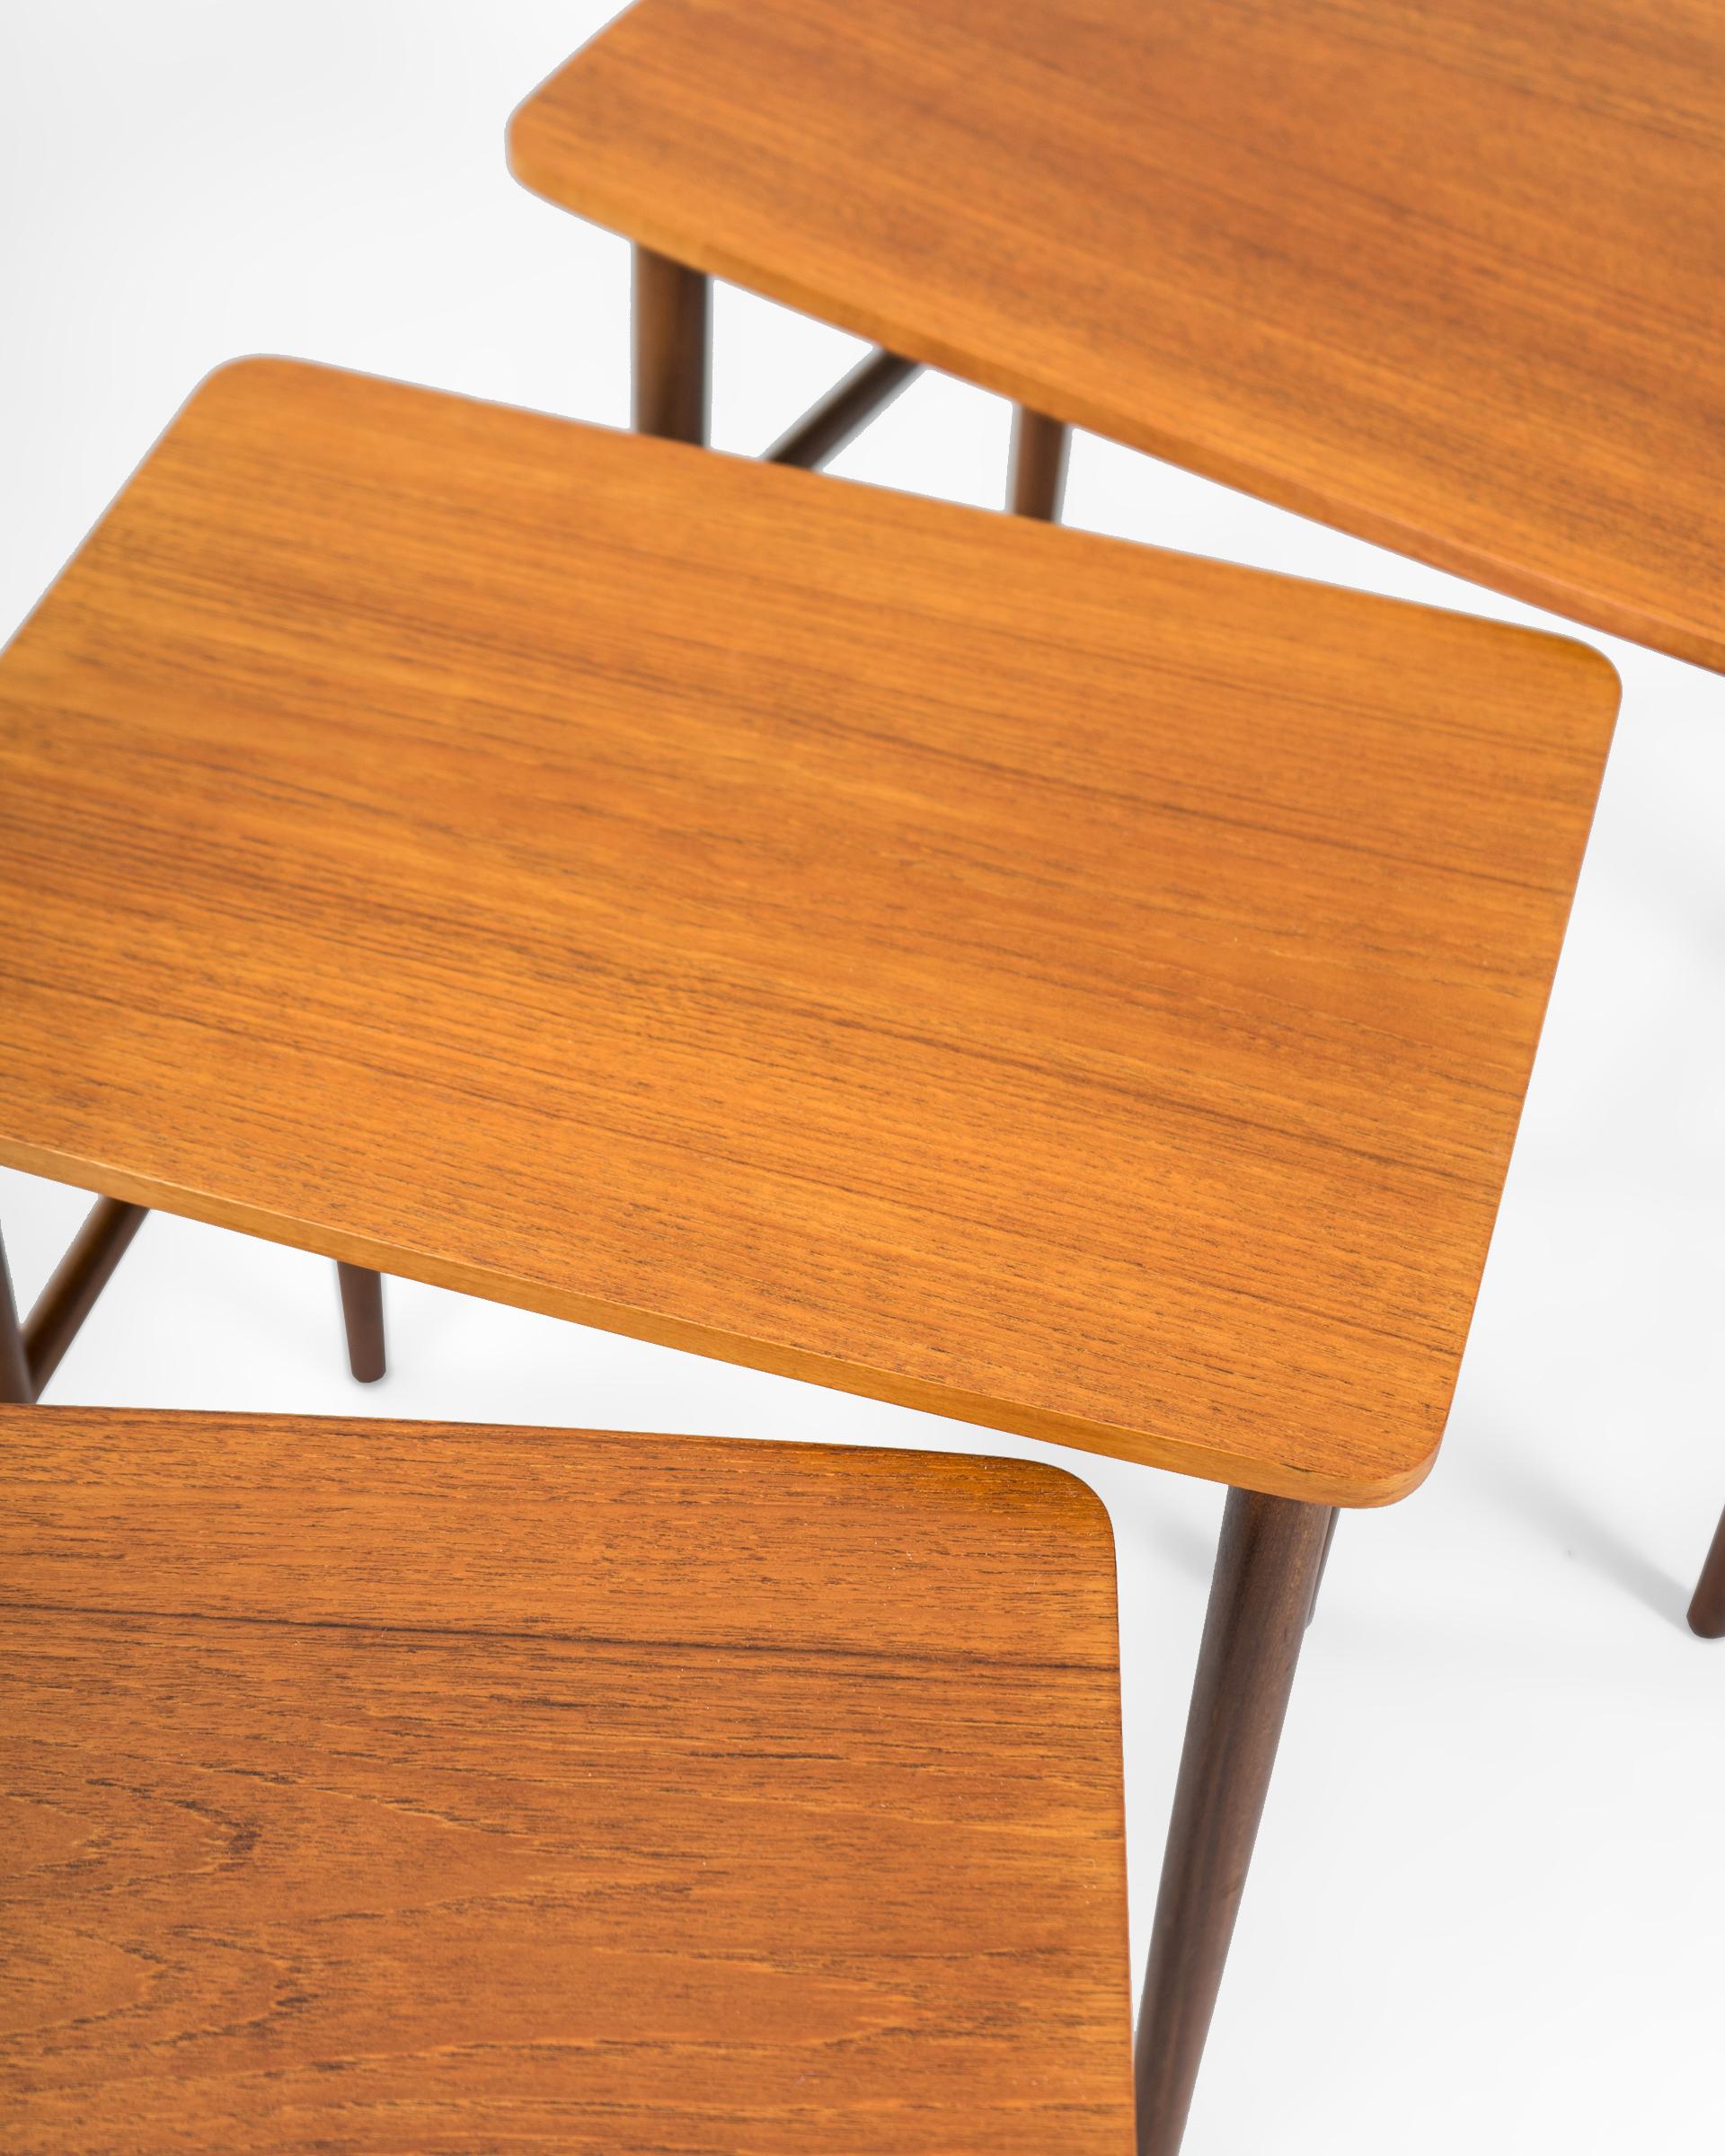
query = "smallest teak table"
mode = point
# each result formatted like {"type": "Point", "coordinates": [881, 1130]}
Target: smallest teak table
{"type": "Point", "coordinates": [386, 1786]}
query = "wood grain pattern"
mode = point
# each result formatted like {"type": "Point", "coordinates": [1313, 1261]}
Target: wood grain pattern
{"type": "Point", "coordinates": [1447, 273]}
{"type": "Point", "coordinates": [1007, 972]}
{"type": "Point", "coordinates": [389, 1787]}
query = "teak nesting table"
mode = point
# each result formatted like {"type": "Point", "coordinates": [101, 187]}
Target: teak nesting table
{"type": "Point", "coordinates": [588, 1792]}
{"type": "Point", "coordinates": [1446, 273]}
{"type": "Point", "coordinates": [1010, 973]}
{"type": "Point", "coordinates": [1442, 272]}
{"type": "Point", "coordinates": [1081, 990]}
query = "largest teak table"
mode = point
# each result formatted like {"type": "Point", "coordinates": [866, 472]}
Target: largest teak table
{"type": "Point", "coordinates": [1073, 988]}
{"type": "Point", "coordinates": [1446, 273]}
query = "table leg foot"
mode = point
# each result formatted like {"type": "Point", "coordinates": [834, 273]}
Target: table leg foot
{"type": "Point", "coordinates": [1266, 1570]}
{"type": "Point", "coordinates": [1707, 1611]}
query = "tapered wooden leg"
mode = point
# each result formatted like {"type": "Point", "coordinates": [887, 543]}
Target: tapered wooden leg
{"type": "Point", "coordinates": [16, 1391]}
{"type": "Point", "coordinates": [1707, 1611]}
{"type": "Point", "coordinates": [362, 1312]}
{"type": "Point", "coordinates": [1266, 1574]}
{"type": "Point", "coordinates": [673, 336]}
{"type": "Point", "coordinates": [1323, 1565]}
{"type": "Point", "coordinates": [1037, 476]}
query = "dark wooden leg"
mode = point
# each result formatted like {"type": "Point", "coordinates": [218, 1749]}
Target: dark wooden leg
{"type": "Point", "coordinates": [362, 1312]}
{"type": "Point", "coordinates": [1323, 1563]}
{"type": "Point", "coordinates": [1265, 1574]}
{"type": "Point", "coordinates": [1038, 472]}
{"type": "Point", "coordinates": [15, 1388]}
{"type": "Point", "coordinates": [1707, 1611]}
{"type": "Point", "coordinates": [673, 334]}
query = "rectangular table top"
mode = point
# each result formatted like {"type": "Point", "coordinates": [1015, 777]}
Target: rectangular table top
{"type": "Point", "coordinates": [1447, 273]}
{"type": "Point", "coordinates": [385, 1787]}
{"type": "Point", "coordinates": [1007, 972]}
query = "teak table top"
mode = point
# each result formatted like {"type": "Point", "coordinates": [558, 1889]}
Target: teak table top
{"type": "Point", "coordinates": [388, 1787]}
{"type": "Point", "coordinates": [1012, 973]}
{"type": "Point", "coordinates": [1447, 273]}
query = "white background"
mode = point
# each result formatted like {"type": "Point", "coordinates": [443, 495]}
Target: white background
{"type": "Point", "coordinates": [1489, 1900]}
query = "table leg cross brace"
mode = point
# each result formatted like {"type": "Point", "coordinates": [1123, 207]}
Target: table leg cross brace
{"type": "Point", "coordinates": [30, 1352]}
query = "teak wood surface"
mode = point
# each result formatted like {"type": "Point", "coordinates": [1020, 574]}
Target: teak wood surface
{"type": "Point", "coordinates": [1447, 273]}
{"type": "Point", "coordinates": [389, 1787]}
{"type": "Point", "coordinates": [1011, 973]}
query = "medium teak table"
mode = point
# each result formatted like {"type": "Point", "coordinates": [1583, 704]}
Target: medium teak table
{"type": "Point", "coordinates": [1077, 989]}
